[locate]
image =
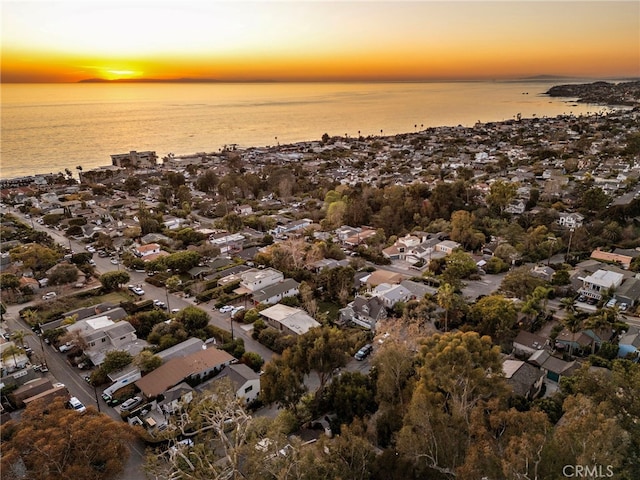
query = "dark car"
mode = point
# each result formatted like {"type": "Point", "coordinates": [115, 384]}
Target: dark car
{"type": "Point", "coordinates": [363, 352]}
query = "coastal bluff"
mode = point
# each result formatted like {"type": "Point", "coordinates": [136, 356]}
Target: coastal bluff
{"type": "Point", "coordinates": [602, 93]}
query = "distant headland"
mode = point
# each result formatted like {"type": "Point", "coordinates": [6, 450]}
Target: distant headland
{"type": "Point", "coordinates": [603, 93]}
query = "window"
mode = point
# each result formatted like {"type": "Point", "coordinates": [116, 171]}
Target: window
{"type": "Point", "coordinates": [248, 389]}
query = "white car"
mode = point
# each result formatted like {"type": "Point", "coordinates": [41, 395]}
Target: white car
{"type": "Point", "coordinates": [226, 308]}
{"type": "Point", "coordinates": [138, 291]}
{"type": "Point", "coordinates": [159, 304]}
{"type": "Point", "coordinates": [131, 403]}
{"type": "Point", "coordinates": [77, 405]}
{"type": "Point", "coordinates": [114, 261]}
{"type": "Point", "coordinates": [49, 296]}
{"type": "Point", "coordinates": [65, 347]}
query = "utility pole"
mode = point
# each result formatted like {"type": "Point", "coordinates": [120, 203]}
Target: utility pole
{"type": "Point", "coordinates": [95, 392]}
{"type": "Point", "coordinates": [567, 256]}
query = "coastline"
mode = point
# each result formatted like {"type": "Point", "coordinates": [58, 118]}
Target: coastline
{"type": "Point", "coordinates": [312, 115]}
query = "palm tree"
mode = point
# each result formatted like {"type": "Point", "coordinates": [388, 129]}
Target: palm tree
{"type": "Point", "coordinates": [31, 317]}
{"type": "Point", "coordinates": [18, 336]}
{"type": "Point", "coordinates": [568, 304]}
{"type": "Point", "coordinates": [573, 323]}
{"type": "Point", "coordinates": [12, 350]}
{"type": "Point", "coordinates": [594, 323]}
{"type": "Point", "coordinates": [446, 299]}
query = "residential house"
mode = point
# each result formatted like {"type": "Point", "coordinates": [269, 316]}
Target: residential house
{"type": "Point", "coordinates": [134, 159]}
{"type": "Point", "coordinates": [275, 293]}
{"type": "Point", "coordinates": [526, 380]}
{"type": "Point", "coordinates": [623, 260]}
{"type": "Point", "coordinates": [290, 227]}
{"type": "Point", "coordinates": [30, 283]}
{"type": "Point", "coordinates": [173, 223]}
{"type": "Point", "coordinates": [629, 344]}
{"type": "Point", "coordinates": [110, 310]}
{"type": "Point", "coordinates": [364, 311]}
{"type": "Point", "coordinates": [598, 283]}
{"type": "Point", "coordinates": [402, 246]}
{"type": "Point", "coordinates": [447, 246]}
{"type": "Point", "coordinates": [418, 290]}
{"type": "Point", "coordinates": [578, 341]}
{"type": "Point", "coordinates": [189, 346]}
{"type": "Point", "coordinates": [391, 294]}
{"type": "Point", "coordinates": [517, 207]}
{"type": "Point", "coordinates": [245, 381]}
{"type": "Point", "coordinates": [175, 397]}
{"type": "Point", "coordinates": [244, 209]}
{"type": "Point", "coordinates": [629, 292]}
{"type": "Point", "coordinates": [543, 271]}
{"type": "Point", "coordinates": [359, 237]}
{"type": "Point", "coordinates": [326, 263]}
{"type": "Point", "coordinates": [257, 279]}
{"type": "Point", "coordinates": [346, 231]}
{"type": "Point", "coordinates": [382, 276]}
{"type": "Point", "coordinates": [289, 320]}
{"type": "Point", "coordinates": [526, 343]}
{"type": "Point", "coordinates": [227, 242]}
{"type": "Point", "coordinates": [189, 368]}
{"type": "Point", "coordinates": [553, 368]}
{"type": "Point", "coordinates": [101, 335]}
{"type": "Point", "coordinates": [570, 220]}
{"type": "Point", "coordinates": [148, 249]}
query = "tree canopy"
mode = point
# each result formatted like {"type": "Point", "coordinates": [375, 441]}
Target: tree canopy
{"type": "Point", "coordinates": [51, 442]}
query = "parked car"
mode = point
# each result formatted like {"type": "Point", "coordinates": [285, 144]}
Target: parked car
{"type": "Point", "coordinates": [49, 296]}
{"type": "Point", "coordinates": [77, 405]}
{"type": "Point", "coordinates": [65, 347]}
{"type": "Point", "coordinates": [131, 403]}
{"type": "Point", "coordinates": [114, 261]}
{"type": "Point", "coordinates": [226, 308]}
{"type": "Point", "coordinates": [363, 352]}
{"type": "Point", "coordinates": [138, 291]}
{"type": "Point", "coordinates": [159, 304]}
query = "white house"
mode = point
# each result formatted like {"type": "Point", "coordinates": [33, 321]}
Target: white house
{"type": "Point", "coordinates": [148, 249]}
{"type": "Point", "coordinates": [275, 293]}
{"type": "Point", "coordinates": [570, 220]}
{"type": "Point", "coordinates": [289, 320]}
{"type": "Point", "coordinates": [102, 335]}
{"type": "Point", "coordinates": [245, 381]}
{"type": "Point", "coordinates": [254, 279]}
{"type": "Point", "coordinates": [597, 284]}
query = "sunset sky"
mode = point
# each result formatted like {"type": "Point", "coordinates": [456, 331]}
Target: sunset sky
{"type": "Point", "coordinates": [67, 41]}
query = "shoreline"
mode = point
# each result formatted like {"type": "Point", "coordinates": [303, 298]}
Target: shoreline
{"type": "Point", "coordinates": [598, 94]}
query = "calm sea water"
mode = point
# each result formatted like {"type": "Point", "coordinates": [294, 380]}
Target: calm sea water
{"type": "Point", "coordinates": [50, 127]}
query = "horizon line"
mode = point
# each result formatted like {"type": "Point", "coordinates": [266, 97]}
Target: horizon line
{"type": "Point", "coordinates": [543, 77]}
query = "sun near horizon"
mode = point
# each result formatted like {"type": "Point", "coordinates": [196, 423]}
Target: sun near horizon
{"type": "Point", "coordinates": [317, 41]}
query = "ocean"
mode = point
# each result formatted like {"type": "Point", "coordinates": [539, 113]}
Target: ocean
{"type": "Point", "coordinates": [47, 128]}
